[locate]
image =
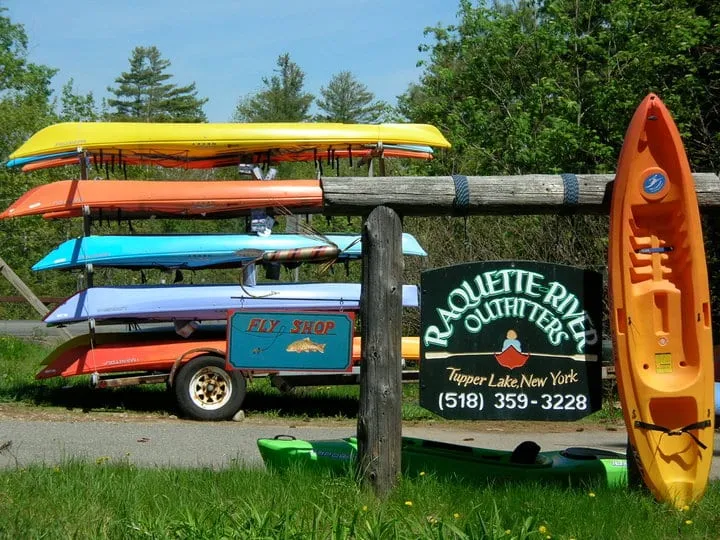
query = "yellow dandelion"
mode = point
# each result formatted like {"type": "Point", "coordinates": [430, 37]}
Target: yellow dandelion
{"type": "Point", "coordinates": [364, 508]}
{"type": "Point", "coordinates": [507, 532]}
{"type": "Point", "coordinates": [456, 515]}
{"type": "Point", "coordinates": [685, 508]}
{"type": "Point", "coordinates": [408, 503]}
{"type": "Point", "coordinates": [422, 473]}
{"type": "Point", "coordinates": [591, 494]}
{"type": "Point", "coordinates": [688, 522]}
{"type": "Point", "coordinates": [542, 529]}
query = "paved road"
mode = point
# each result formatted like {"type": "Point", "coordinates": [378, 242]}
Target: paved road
{"type": "Point", "coordinates": [217, 445]}
{"type": "Point", "coordinates": [38, 331]}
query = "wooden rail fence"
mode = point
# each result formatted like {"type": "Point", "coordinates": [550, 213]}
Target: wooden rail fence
{"type": "Point", "coordinates": [382, 198]}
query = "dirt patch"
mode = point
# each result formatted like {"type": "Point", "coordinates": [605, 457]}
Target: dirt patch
{"type": "Point", "coordinates": [20, 411]}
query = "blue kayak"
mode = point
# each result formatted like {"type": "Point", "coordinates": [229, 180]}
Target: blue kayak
{"type": "Point", "coordinates": [194, 251]}
{"type": "Point", "coordinates": [138, 303]}
{"type": "Point", "coordinates": [19, 162]}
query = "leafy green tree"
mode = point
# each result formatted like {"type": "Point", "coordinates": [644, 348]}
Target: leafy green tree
{"type": "Point", "coordinates": [144, 93]}
{"type": "Point", "coordinates": [549, 86]}
{"type": "Point", "coordinates": [76, 107]}
{"type": "Point", "coordinates": [345, 99]}
{"type": "Point", "coordinates": [24, 88]}
{"type": "Point", "coordinates": [25, 107]}
{"type": "Point", "coordinates": [283, 99]}
{"type": "Point", "coordinates": [543, 86]}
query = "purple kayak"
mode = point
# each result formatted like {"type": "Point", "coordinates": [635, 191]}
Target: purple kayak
{"type": "Point", "coordinates": [137, 303]}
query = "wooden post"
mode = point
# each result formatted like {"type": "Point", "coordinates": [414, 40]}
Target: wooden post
{"type": "Point", "coordinates": [89, 270]}
{"type": "Point", "coordinates": [292, 225]}
{"type": "Point", "coordinates": [380, 416]}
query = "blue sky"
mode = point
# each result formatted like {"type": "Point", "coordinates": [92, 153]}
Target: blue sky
{"type": "Point", "coordinates": [226, 46]}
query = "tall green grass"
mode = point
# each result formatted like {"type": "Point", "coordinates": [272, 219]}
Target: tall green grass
{"type": "Point", "coordinates": [105, 500]}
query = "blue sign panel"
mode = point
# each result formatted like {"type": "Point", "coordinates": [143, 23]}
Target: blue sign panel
{"type": "Point", "coordinates": [290, 341]}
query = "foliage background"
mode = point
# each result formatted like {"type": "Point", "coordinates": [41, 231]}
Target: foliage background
{"type": "Point", "coordinates": [538, 86]}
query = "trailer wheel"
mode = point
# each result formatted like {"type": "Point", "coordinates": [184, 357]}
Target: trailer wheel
{"type": "Point", "coordinates": [204, 390]}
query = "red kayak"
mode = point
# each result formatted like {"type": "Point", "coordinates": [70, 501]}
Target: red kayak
{"type": "Point", "coordinates": [153, 351]}
{"type": "Point", "coordinates": [111, 160]}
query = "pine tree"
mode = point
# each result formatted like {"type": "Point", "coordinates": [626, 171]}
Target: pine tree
{"type": "Point", "coordinates": [76, 107]}
{"type": "Point", "coordinates": [144, 93]}
{"type": "Point", "coordinates": [345, 99]}
{"type": "Point", "coordinates": [283, 100]}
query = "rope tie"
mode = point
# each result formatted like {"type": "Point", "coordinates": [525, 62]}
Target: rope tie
{"type": "Point", "coordinates": [571, 189]}
{"type": "Point", "coordinates": [462, 194]}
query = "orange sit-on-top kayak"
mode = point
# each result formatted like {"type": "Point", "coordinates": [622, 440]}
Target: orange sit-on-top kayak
{"type": "Point", "coordinates": [660, 314]}
{"type": "Point", "coordinates": [67, 198]}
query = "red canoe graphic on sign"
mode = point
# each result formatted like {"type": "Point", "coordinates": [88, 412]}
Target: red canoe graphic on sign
{"type": "Point", "coordinates": [512, 358]}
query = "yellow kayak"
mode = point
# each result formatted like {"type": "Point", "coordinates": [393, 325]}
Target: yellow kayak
{"type": "Point", "coordinates": [214, 139]}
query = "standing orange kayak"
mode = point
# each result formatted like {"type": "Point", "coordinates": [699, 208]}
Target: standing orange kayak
{"type": "Point", "coordinates": [660, 309]}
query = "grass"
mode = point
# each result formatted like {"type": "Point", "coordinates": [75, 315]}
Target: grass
{"type": "Point", "coordinates": [104, 500]}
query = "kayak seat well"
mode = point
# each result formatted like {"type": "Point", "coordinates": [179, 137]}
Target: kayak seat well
{"type": "Point", "coordinates": [579, 452]}
{"type": "Point", "coordinates": [525, 453]}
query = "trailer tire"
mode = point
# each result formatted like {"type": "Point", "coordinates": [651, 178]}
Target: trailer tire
{"type": "Point", "coordinates": [204, 390]}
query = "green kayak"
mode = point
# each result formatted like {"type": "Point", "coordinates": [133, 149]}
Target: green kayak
{"type": "Point", "coordinates": [571, 466]}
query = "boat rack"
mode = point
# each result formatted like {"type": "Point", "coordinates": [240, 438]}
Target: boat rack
{"type": "Point", "coordinates": [285, 381]}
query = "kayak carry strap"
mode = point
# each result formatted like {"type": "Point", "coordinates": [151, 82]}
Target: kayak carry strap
{"type": "Point", "coordinates": [673, 432]}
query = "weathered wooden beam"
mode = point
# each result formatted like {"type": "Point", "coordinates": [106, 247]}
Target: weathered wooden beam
{"type": "Point", "coordinates": [25, 291]}
{"type": "Point", "coordinates": [474, 195]}
{"type": "Point", "coordinates": [379, 427]}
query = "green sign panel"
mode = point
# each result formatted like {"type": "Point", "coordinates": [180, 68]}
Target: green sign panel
{"type": "Point", "coordinates": [511, 340]}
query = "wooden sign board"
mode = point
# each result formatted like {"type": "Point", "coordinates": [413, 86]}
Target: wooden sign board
{"type": "Point", "coordinates": [290, 341]}
{"type": "Point", "coordinates": [507, 340]}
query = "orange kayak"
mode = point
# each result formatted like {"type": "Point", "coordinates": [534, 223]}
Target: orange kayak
{"type": "Point", "coordinates": [660, 309]}
{"type": "Point", "coordinates": [100, 160]}
{"type": "Point", "coordinates": [67, 198]}
{"type": "Point", "coordinates": [152, 351]}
